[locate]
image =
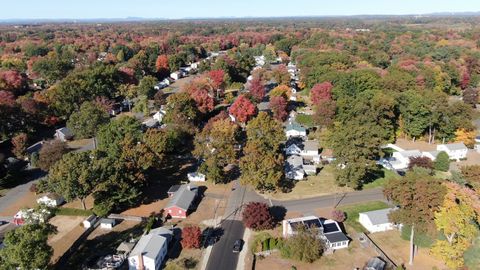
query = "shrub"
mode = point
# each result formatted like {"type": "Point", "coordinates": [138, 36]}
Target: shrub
{"type": "Point", "coordinates": [442, 163]}
{"type": "Point", "coordinates": [191, 237]}
{"type": "Point", "coordinates": [265, 245]}
{"type": "Point", "coordinates": [338, 215]}
{"type": "Point", "coordinates": [423, 162]}
{"type": "Point", "coordinates": [304, 246]}
{"type": "Point", "coordinates": [257, 216]}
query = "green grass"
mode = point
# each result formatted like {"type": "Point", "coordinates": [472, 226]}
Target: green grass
{"type": "Point", "coordinates": [382, 181]}
{"type": "Point", "coordinates": [354, 210]}
{"type": "Point", "coordinates": [420, 239]}
{"type": "Point", "coordinates": [305, 120]}
{"type": "Point", "coordinates": [471, 256]}
{"type": "Point", "coordinates": [62, 211]}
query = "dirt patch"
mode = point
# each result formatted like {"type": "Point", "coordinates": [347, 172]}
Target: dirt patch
{"type": "Point", "coordinates": [120, 227]}
{"type": "Point", "coordinates": [69, 230]}
{"type": "Point", "coordinates": [207, 209]}
{"type": "Point", "coordinates": [78, 204]}
{"type": "Point", "coordinates": [29, 200]}
{"type": "Point", "coordinates": [398, 250]}
{"type": "Point", "coordinates": [146, 210]}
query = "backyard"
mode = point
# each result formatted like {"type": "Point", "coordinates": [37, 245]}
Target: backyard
{"type": "Point", "coordinates": [352, 213]}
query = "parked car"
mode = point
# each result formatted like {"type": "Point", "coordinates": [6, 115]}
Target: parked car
{"type": "Point", "coordinates": [237, 246]}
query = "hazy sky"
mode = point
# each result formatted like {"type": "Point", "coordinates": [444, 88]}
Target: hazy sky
{"type": "Point", "coordinates": [52, 9]}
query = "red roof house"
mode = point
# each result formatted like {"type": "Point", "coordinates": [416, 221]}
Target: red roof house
{"type": "Point", "coordinates": [181, 201]}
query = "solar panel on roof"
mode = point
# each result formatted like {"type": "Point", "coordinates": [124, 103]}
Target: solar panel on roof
{"type": "Point", "coordinates": [312, 223]}
{"type": "Point", "coordinates": [330, 227]}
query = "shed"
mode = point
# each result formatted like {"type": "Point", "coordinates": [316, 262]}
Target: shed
{"type": "Point", "coordinates": [87, 223]}
{"type": "Point", "coordinates": [107, 223]}
{"type": "Point", "coordinates": [51, 200]}
{"type": "Point", "coordinates": [63, 134]}
{"type": "Point", "coordinates": [196, 177]}
{"type": "Point", "coordinates": [376, 221]}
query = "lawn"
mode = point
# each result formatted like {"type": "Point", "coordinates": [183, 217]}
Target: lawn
{"type": "Point", "coordinates": [353, 211]}
{"type": "Point", "coordinates": [63, 211]}
{"type": "Point", "coordinates": [305, 120]}
{"type": "Point", "coordinates": [471, 256]}
{"type": "Point", "coordinates": [321, 184]}
{"type": "Point", "coordinates": [381, 181]}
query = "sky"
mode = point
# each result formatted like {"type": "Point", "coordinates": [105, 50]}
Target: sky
{"type": "Point", "coordinates": [177, 9]}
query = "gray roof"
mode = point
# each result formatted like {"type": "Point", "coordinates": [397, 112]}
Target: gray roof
{"type": "Point", "coordinates": [456, 146]}
{"type": "Point", "coordinates": [65, 131]}
{"type": "Point", "coordinates": [149, 246]}
{"type": "Point", "coordinates": [263, 106]}
{"type": "Point", "coordinates": [311, 145]}
{"type": "Point", "coordinates": [183, 197]}
{"type": "Point", "coordinates": [375, 264]}
{"type": "Point", "coordinates": [107, 221]}
{"type": "Point", "coordinates": [125, 247]}
{"type": "Point", "coordinates": [379, 216]}
{"type": "Point", "coordinates": [411, 153]}
{"type": "Point", "coordinates": [36, 147]}
{"type": "Point", "coordinates": [434, 153]}
{"type": "Point", "coordinates": [295, 161]}
{"type": "Point", "coordinates": [336, 237]}
{"type": "Point", "coordinates": [295, 126]}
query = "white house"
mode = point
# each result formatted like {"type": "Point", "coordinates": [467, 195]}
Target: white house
{"type": "Point", "coordinates": [64, 134]}
{"type": "Point", "coordinates": [87, 223]}
{"type": "Point", "coordinates": [310, 151]}
{"type": "Point", "coordinates": [329, 230]}
{"type": "Point", "coordinates": [107, 223]}
{"type": "Point", "coordinates": [455, 151]}
{"type": "Point", "coordinates": [51, 200]}
{"type": "Point", "coordinates": [401, 159]}
{"type": "Point", "coordinates": [431, 154]}
{"type": "Point", "coordinates": [294, 168]}
{"type": "Point", "coordinates": [150, 250]}
{"type": "Point", "coordinates": [376, 221]}
{"type": "Point", "coordinates": [294, 129]}
{"type": "Point", "coordinates": [196, 177]}
{"type": "Point", "coordinates": [293, 149]}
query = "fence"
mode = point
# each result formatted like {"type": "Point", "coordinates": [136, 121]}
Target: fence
{"type": "Point", "coordinates": [126, 217]}
{"type": "Point", "coordinates": [381, 253]}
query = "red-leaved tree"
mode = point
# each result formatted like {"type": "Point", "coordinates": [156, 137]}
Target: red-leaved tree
{"type": "Point", "coordinates": [191, 237]}
{"type": "Point", "coordinates": [162, 65]}
{"type": "Point", "coordinates": [217, 78]}
{"type": "Point", "coordinates": [338, 215]}
{"type": "Point", "coordinates": [278, 105]}
{"type": "Point", "coordinates": [11, 80]}
{"type": "Point", "coordinates": [257, 89]}
{"type": "Point", "coordinates": [423, 162]}
{"type": "Point", "coordinates": [7, 98]}
{"type": "Point", "coordinates": [257, 216]}
{"type": "Point", "coordinates": [205, 102]}
{"type": "Point", "coordinates": [243, 109]}
{"type": "Point", "coordinates": [321, 92]}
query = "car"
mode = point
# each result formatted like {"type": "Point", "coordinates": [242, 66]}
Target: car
{"type": "Point", "coordinates": [237, 246]}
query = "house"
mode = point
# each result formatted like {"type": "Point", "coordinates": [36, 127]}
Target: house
{"type": "Point", "coordinates": [329, 230]}
{"type": "Point", "coordinates": [292, 149]}
{"type": "Point", "coordinates": [181, 201]}
{"type": "Point", "coordinates": [431, 154]}
{"type": "Point", "coordinates": [172, 190]}
{"type": "Point", "coordinates": [30, 216]}
{"type": "Point", "coordinates": [309, 169]}
{"type": "Point", "coordinates": [401, 159]}
{"type": "Point", "coordinates": [150, 250]}
{"type": "Point", "coordinates": [107, 223]}
{"type": "Point", "coordinates": [375, 264]}
{"type": "Point", "coordinates": [64, 134]}
{"type": "Point", "coordinates": [376, 221]}
{"type": "Point", "coordinates": [327, 154]}
{"type": "Point", "coordinates": [176, 75]}
{"type": "Point", "coordinates": [259, 60]}
{"type": "Point", "coordinates": [87, 223]}
{"type": "Point", "coordinates": [456, 151]}
{"type": "Point", "coordinates": [294, 168]}
{"type": "Point", "coordinates": [51, 200]}
{"type": "Point", "coordinates": [293, 129]}
{"type": "Point", "coordinates": [293, 97]}
{"type": "Point", "coordinates": [34, 148]}
{"type": "Point", "coordinates": [150, 123]}
{"type": "Point", "coordinates": [310, 151]}
{"type": "Point", "coordinates": [196, 177]}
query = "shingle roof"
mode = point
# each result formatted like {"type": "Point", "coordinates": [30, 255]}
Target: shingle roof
{"type": "Point", "coordinates": [65, 131]}
{"type": "Point", "coordinates": [311, 145]}
{"type": "Point", "coordinates": [295, 161]}
{"type": "Point", "coordinates": [411, 153]}
{"type": "Point", "coordinates": [149, 246]}
{"type": "Point", "coordinates": [295, 126]}
{"type": "Point", "coordinates": [379, 216]}
{"type": "Point", "coordinates": [455, 146]}
{"type": "Point", "coordinates": [183, 197]}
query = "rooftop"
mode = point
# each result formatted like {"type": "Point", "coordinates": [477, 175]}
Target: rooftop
{"type": "Point", "coordinates": [379, 216]}
{"type": "Point", "coordinates": [311, 145]}
{"type": "Point", "coordinates": [183, 197]}
{"type": "Point", "coordinates": [455, 146]}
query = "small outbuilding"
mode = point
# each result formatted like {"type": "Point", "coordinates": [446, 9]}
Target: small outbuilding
{"type": "Point", "coordinates": [64, 134]}
{"type": "Point", "coordinates": [51, 200]}
{"type": "Point", "coordinates": [376, 221]}
{"type": "Point", "coordinates": [196, 177]}
{"type": "Point", "coordinates": [107, 223]}
{"type": "Point", "coordinates": [87, 223]}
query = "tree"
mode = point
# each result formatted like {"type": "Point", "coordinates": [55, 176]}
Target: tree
{"type": "Point", "coordinates": [257, 216]}
{"type": "Point", "coordinates": [26, 247]}
{"type": "Point", "coordinates": [159, 99]}
{"type": "Point", "coordinates": [242, 109]}
{"type": "Point", "coordinates": [146, 86]}
{"type": "Point", "coordinates": [278, 105]}
{"type": "Point", "coordinates": [471, 173]}
{"type": "Point", "coordinates": [419, 195]}
{"type": "Point", "coordinates": [466, 136]}
{"type": "Point", "coordinates": [161, 65]}
{"type": "Point", "coordinates": [257, 89]}
{"type": "Point", "coordinates": [51, 152]}
{"type": "Point", "coordinates": [19, 143]}
{"type": "Point", "coordinates": [281, 91]}
{"type": "Point", "coordinates": [423, 162]}
{"type": "Point", "coordinates": [321, 92]}
{"type": "Point", "coordinates": [73, 176]}
{"type": "Point", "coordinates": [265, 132]}
{"type": "Point", "coordinates": [304, 245]}
{"type": "Point", "coordinates": [12, 80]}
{"type": "Point", "coordinates": [338, 215]}
{"type": "Point", "coordinates": [457, 219]}
{"type": "Point", "coordinates": [217, 78]}
{"type": "Point", "coordinates": [191, 237]}
{"type": "Point", "coordinates": [111, 135]}
{"type": "Point", "coordinates": [470, 96]}
{"type": "Point", "coordinates": [85, 122]}
{"type": "Point", "coordinates": [161, 142]}
{"type": "Point", "coordinates": [281, 75]}
{"type": "Point", "coordinates": [180, 106]}
{"type": "Point", "coordinates": [442, 162]}
{"type": "Point", "coordinates": [324, 113]}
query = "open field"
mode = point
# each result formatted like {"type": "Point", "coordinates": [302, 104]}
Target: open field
{"type": "Point", "coordinates": [69, 230]}
{"type": "Point", "coordinates": [382, 181]}
{"type": "Point", "coordinates": [321, 184]}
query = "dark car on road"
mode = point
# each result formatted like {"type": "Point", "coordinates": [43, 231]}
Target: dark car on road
{"type": "Point", "coordinates": [237, 246]}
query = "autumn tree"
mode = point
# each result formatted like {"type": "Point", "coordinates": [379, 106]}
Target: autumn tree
{"type": "Point", "coordinates": [12, 80]}
{"type": "Point", "coordinates": [51, 152]}
{"type": "Point", "coordinates": [457, 219]}
{"type": "Point", "coordinates": [161, 65]}
{"type": "Point", "coordinates": [338, 215]}
{"type": "Point", "coordinates": [217, 78]}
{"type": "Point", "coordinates": [321, 92]}
{"type": "Point", "coordinates": [111, 135]}
{"type": "Point", "coordinates": [278, 106]}
{"type": "Point", "coordinates": [423, 162]}
{"type": "Point", "coordinates": [159, 99]}
{"type": "Point", "coordinates": [257, 89]}
{"type": "Point", "coordinates": [442, 162]}
{"type": "Point", "coordinates": [19, 143]}
{"type": "Point", "coordinates": [180, 106]}
{"type": "Point", "coordinates": [466, 136]}
{"type": "Point", "coordinates": [419, 195]}
{"type": "Point", "coordinates": [470, 96]}
{"type": "Point", "coordinates": [471, 173]}
{"type": "Point", "coordinates": [281, 91]}
{"type": "Point", "coordinates": [242, 109]}
{"type": "Point", "coordinates": [146, 86]}
{"type": "Point", "coordinates": [191, 237]}
{"type": "Point", "coordinates": [281, 75]}
{"type": "Point", "coordinates": [85, 122]}
{"type": "Point", "coordinates": [304, 245]}
{"type": "Point", "coordinates": [257, 216]}
{"type": "Point", "coordinates": [26, 247]}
